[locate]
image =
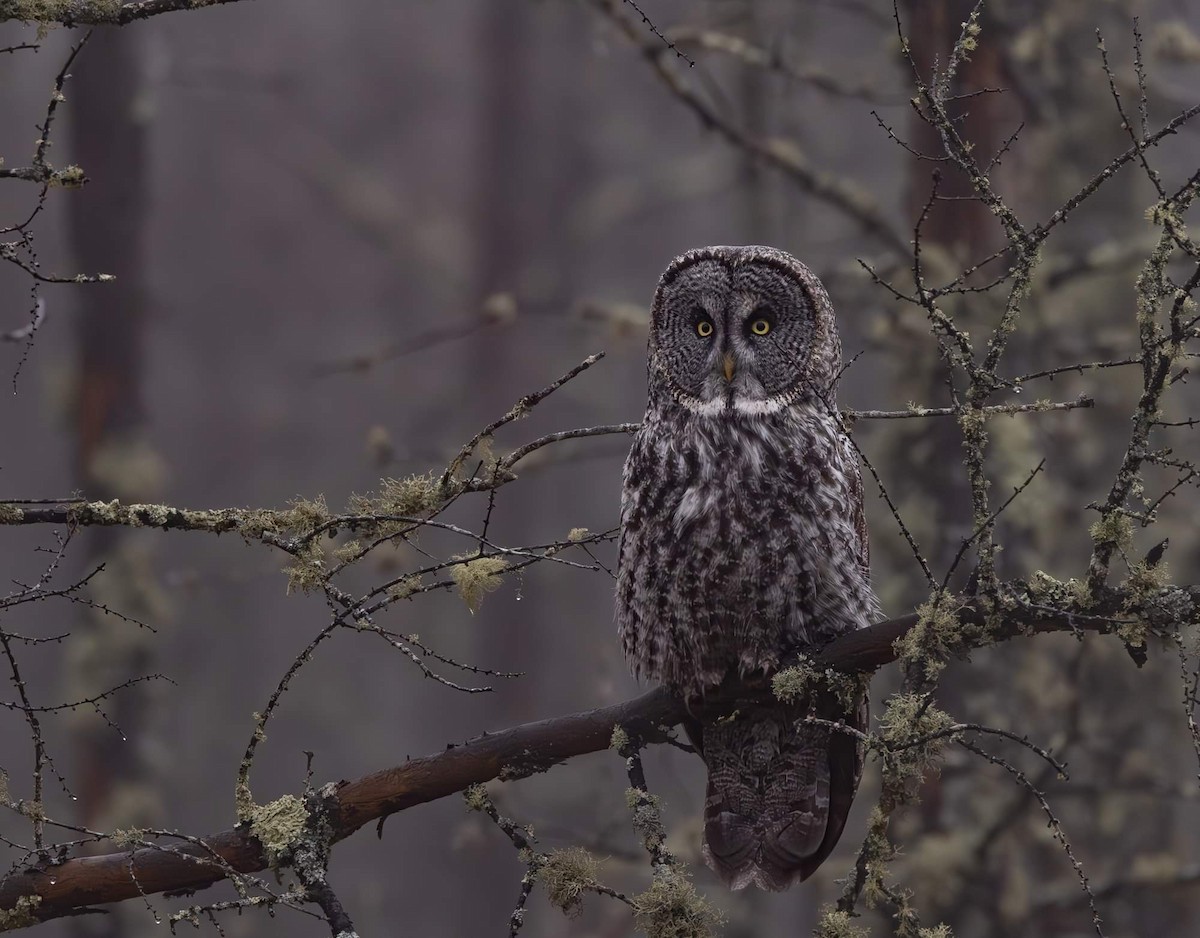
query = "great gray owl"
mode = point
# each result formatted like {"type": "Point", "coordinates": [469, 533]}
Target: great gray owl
{"type": "Point", "coordinates": [743, 540]}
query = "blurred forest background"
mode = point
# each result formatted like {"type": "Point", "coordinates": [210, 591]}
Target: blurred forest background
{"type": "Point", "coordinates": [346, 236]}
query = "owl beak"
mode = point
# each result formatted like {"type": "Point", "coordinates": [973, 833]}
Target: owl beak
{"type": "Point", "coordinates": [728, 367]}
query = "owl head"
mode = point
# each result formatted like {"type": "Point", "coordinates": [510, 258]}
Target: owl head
{"type": "Point", "coordinates": [742, 329]}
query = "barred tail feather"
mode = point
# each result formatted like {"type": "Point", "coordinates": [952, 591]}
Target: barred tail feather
{"type": "Point", "coordinates": [779, 791]}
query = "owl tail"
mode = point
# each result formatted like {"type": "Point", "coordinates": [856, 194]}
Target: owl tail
{"type": "Point", "coordinates": [779, 790]}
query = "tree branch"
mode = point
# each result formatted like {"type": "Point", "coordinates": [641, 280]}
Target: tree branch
{"type": "Point", "coordinates": [96, 12]}
{"type": "Point", "coordinates": [75, 885]}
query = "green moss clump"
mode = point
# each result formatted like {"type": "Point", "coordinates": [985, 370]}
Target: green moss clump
{"type": "Point", "coordinates": [567, 874]}
{"type": "Point", "coordinates": [348, 551]}
{"type": "Point", "coordinates": [475, 578]}
{"type": "Point", "coordinates": [1042, 586]}
{"type": "Point", "coordinates": [969, 40]}
{"type": "Point", "coordinates": [907, 717]}
{"type": "Point", "coordinates": [476, 797]}
{"type": "Point", "coordinates": [837, 924]}
{"type": "Point", "coordinates": [1144, 581]}
{"type": "Point", "coordinates": [1045, 590]}
{"type": "Point", "coordinates": [408, 497]}
{"type": "Point", "coordinates": [1148, 599]}
{"type": "Point", "coordinates": [405, 588]}
{"type": "Point", "coordinates": [936, 634]}
{"type": "Point", "coordinates": [1166, 214]}
{"type": "Point", "coordinates": [1113, 528]}
{"type": "Point", "coordinates": [575, 535]}
{"type": "Point", "coordinates": [972, 420]}
{"type": "Point", "coordinates": [411, 496]}
{"type": "Point", "coordinates": [125, 837]}
{"type": "Point", "coordinates": [620, 740]}
{"type": "Point", "coordinates": [10, 514]}
{"type": "Point", "coordinates": [305, 515]}
{"type": "Point", "coordinates": [308, 572]}
{"type": "Point", "coordinates": [21, 915]}
{"type": "Point", "coordinates": [259, 522]}
{"type": "Point", "coordinates": [672, 908]}
{"type": "Point", "coordinates": [793, 684]}
{"type": "Point", "coordinates": [34, 810]}
{"type": "Point", "coordinates": [69, 177]}
{"type": "Point", "coordinates": [278, 825]}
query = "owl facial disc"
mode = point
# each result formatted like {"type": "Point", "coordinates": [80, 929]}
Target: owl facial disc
{"type": "Point", "coordinates": [741, 329]}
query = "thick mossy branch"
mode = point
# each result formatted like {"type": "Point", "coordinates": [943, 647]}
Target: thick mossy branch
{"type": "Point", "coordinates": [253, 523]}
{"type": "Point", "coordinates": [398, 509]}
{"type": "Point", "coordinates": [95, 12]}
{"type": "Point", "coordinates": [114, 514]}
{"type": "Point", "coordinates": [391, 508]}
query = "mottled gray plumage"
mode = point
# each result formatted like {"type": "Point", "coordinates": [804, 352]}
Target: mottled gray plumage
{"type": "Point", "coordinates": [743, 540]}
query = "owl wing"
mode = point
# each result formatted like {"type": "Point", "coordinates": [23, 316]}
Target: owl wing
{"type": "Point", "coordinates": [638, 556]}
{"type": "Point", "coordinates": [846, 753]}
{"type": "Point", "coordinates": [857, 504]}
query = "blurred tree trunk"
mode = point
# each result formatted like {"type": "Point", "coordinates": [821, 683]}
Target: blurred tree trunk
{"type": "Point", "coordinates": [966, 228]}
{"type": "Point", "coordinates": [754, 93]}
{"type": "Point", "coordinates": [958, 233]}
{"type": "Point", "coordinates": [504, 111]}
{"type": "Point", "coordinates": [113, 458]}
{"type": "Point", "coordinates": [500, 233]}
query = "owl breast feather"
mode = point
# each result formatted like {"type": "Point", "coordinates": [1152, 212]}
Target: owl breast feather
{"type": "Point", "coordinates": [739, 544]}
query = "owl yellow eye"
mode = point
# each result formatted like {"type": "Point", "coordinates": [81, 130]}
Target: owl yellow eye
{"type": "Point", "coordinates": [760, 327]}
{"type": "Point", "coordinates": [704, 328]}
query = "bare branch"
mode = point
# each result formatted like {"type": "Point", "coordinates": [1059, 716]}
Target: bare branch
{"type": "Point", "coordinates": [783, 155]}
